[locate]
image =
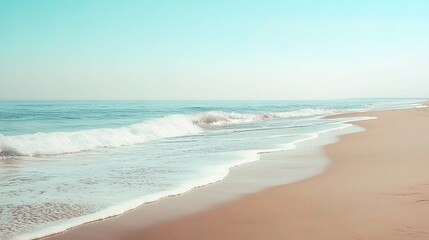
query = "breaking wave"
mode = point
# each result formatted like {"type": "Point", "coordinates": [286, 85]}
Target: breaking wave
{"type": "Point", "coordinates": [55, 143]}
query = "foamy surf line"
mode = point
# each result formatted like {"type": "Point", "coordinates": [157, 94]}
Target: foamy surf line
{"type": "Point", "coordinates": [222, 172]}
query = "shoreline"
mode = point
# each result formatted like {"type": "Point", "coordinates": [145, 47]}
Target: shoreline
{"type": "Point", "coordinates": [234, 185]}
{"type": "Point", "coordinates": [377, 187]}
{"type": "Point", "coordinates": [202, 203]}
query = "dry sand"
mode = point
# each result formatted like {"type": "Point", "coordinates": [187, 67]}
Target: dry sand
{"type": "Point", "coordinates": [377, 187]}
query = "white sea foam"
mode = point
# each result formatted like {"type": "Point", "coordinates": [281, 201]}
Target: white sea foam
{"type": "Point", "coordinates": [214, 174]}
{"type": "Point", "coordinates": [54, 143]}
{"type": "Point", "coordinates": [68, 142]}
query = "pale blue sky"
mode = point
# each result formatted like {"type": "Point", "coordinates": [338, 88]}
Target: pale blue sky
{"type": "Point", "coordinates": [213, 49]}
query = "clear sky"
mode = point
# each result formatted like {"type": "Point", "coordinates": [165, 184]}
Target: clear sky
{"type": "Point", "coordinates": [232, 49]}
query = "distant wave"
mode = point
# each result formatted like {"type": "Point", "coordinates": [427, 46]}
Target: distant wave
{"type": "Point", "coordinates": [219, 118]}
{"type": "Point", "coordinates": [54, 143]}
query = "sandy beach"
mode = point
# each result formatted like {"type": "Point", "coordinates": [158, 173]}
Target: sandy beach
{"type": "Point", "coordinates": [199, 120]}
{"type": "Point", "coordinates": [376, 187]}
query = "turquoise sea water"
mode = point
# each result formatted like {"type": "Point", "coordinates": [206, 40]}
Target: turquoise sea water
{"type": "Point", "coordinates": [63, 163]}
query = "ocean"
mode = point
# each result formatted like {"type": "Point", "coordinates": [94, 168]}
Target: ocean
{"type": "Point", "coordinates": [64, 163]}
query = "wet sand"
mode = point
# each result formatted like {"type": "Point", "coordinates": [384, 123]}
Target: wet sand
{"type": "Point", "coordinates": [376, 187]}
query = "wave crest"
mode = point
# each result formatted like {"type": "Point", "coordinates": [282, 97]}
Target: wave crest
{"type": "Point", "coordinates": [54, 143]}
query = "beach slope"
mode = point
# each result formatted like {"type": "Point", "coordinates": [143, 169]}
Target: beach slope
{"type": "Point", "coordinates": [377, 187]}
